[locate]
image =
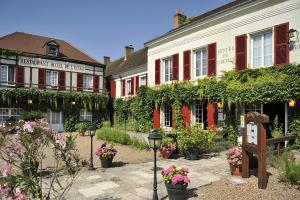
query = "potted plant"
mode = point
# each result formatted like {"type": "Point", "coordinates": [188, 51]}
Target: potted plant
{"type": "Point", "coordinates": [167, 150]}
{"type": "Point", "coordinates": [106, 154]}
{"type": "Point", "coordinates": [82, 127]}
{"type": "Point", "coordinates": [176, 181]}
{"type": "Point", "coordinates": [234, 159]}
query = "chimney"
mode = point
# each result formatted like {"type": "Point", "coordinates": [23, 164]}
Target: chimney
{"type": "Point", "coordinates": [106, 60]}
{"type": "Point", "coordinates": [128, 50]}
{"type": "Point", "coordinates": [178, 18]}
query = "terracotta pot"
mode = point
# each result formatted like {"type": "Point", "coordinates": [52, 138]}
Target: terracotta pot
{"type": "Point", "coordinates": [165, 155]}
{"type": "Point", "coordinates": [81, 133]}
{"type": "Point", "coordinates": [176, 192]}
{"type": "Point", "coordinates": [236, 170]}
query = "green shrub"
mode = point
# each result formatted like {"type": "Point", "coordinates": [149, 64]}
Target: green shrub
{"type": "Point", "coordinates": [70, 124]}
{"type": "Point", "coordinates": [232, 135]}
{"type": "Point", "coordinates": [292, 173]}
{"type": "Point", "coordinates": [113, 135]}
{"type": "Point", "coordinates": [31, 115]}
{"type": "Point", "coordinates": [106, 124]}
{"type": "Point", "coordinates": [277, 128]}
{"type": "Point", "coordinates": [219, 146]}
{"type": "Point", "coordinates": [82, 126]}
{"type": "Point", "coordinates": [135, 142]}
{"type": "Point", "coordinates": [294, 128]}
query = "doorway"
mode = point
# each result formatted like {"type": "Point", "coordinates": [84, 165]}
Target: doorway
{"type": "Point", "coordinates": [273, 109]}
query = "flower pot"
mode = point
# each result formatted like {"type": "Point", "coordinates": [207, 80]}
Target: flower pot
{"type": "Point", "coordinates": [106, 162]}
{"type": "Point", "coordinates": [177, 192]}
{"type": "Point", "coordinates": [81, 133]}
{"type": "Point", "coordinates": [165, 155]}
{"type": "Point", "coordinates": [236, 170]}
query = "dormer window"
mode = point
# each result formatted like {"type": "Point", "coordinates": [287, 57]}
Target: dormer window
{"type": "Point", "coordinates": [52, 48]}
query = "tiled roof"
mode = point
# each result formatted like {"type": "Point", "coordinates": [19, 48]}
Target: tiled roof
{"type": "Point", "coordinates": [34, 44]}
{"type": "Point", "coordinates": [136, 59]}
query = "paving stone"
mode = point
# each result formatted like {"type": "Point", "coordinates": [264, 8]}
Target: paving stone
{"type": "Point", "coordinates": [93, 177]}
{"type": "Point", "coordinates": [236, 180]}
{"type": "Point", "coordinates": [107, 185]}
{"type": "Point", "coordinates": [90, 192]}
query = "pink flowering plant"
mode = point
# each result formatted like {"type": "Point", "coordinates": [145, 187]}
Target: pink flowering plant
{"type": "Point", "coordinates": [22, 147]}
{"type": "Point", "coordinates": [176, 175]}
{"type": "Point", "coordinates": [106, 151]}
{"type": "Point", "coordinates": [167, 148]}
{"type": "Point", "coordinates": [234, 156]}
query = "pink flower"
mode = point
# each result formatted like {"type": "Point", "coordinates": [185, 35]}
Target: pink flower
{"type": "Point", "coordinates": [185, 170]}
{"type": "Point", "coordinates": [186, 179]}
{"type": "Point", "coordinates": [27, 127]}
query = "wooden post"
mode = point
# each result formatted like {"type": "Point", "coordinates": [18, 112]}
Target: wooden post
{"type": "Point", "coordinates": [262, 157]}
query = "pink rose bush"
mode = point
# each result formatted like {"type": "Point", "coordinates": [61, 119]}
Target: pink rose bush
{"type": "Point", "coordinates": [234, 156]}
{"type": "Point", "coordinates": [106, 151]}
{"type": "Point", "coordinates": [167, 149]}
{"type": "Point", "coordinates": [176, 175]}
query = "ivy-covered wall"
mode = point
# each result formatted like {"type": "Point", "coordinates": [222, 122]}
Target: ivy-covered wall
{"type": "Point", "coordinates": [234, 89]}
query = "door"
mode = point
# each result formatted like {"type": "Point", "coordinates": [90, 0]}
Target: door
{"type": "Point", "coordinates": [55, 121]}
{"type": "Point", "coordinates": [273, 109]}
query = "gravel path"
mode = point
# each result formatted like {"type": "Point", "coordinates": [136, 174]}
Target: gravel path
{"type": "Point", "coordinates": [222, 189]}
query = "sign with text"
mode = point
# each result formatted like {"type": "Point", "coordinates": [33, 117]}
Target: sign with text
{"type": "Point", "coordinates": [53, 64]}
{"type": "Point", "coordinates": [252, 133]}
{"type": "Point", "coordinates": [242, 121]}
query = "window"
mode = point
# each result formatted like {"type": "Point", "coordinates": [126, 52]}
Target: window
{"type": "Point", "coordinates": [167, 69]}
{"type": "Point", "coordinates": [85, 115]}
{"type": "Point", "coordinates": [201, 62]}
{"type": "Point", "coordinates": [128, 87]}
{"type": "Point", "coordinates": [143, 80]}
{"type": "Point", "coordinates": [9, 113]}
{"type": "Point", "coordinates": [54, 117]}
{"type": "Point", "coordinates": [168, 116]}
{"type": "Point", "coordinates": [51, 78]}
{"type": "Point", "coordinates": [198, 113]}
{"type": "Point", "coordinates": [87, 82]}
{"type": "Point", "coordinates": [253, 108]}
{"type": "Point", "coordinates": [262, 53]}
{"type": "Point", "coordinates": [7, 74]}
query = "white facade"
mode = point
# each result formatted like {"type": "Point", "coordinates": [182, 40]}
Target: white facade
{"type": "Point", "coordinates": [251, 19]}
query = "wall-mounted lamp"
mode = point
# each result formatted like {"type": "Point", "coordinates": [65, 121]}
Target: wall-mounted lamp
{"type": "Point", "coordinates": [29, 101]}
{"type": "Point", "coordinates": [220, 105]}
{"type": "Point", "coordinates": [293, 38]}
{"type": "Point", "coordinates": [292, 103]}
{"type": "Point", "coordinates": [73, 103]}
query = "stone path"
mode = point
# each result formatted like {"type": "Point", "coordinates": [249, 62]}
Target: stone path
{"type": "Point", "coordinates": [134, 181]}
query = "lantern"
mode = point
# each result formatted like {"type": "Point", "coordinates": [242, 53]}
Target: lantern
{"type": "Point", "coordinates": [29, 101]}
{"type": "Point", "coordinates": [292, 103]}
{"type": "Point", "coordinates": [155, 140]}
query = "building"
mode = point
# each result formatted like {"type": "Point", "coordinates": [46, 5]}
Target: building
{"type": "Point", "coordinates": [128, 73]}
{"type": "Point", "coordinates": [32, 62]}
{"type": "Point", "coordinates": [242, 34]}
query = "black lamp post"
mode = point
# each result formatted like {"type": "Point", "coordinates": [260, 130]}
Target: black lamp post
{"type": "Point", "coordinates": [155, 140]}
{"type": "Point", "coordinates": [91, 130]}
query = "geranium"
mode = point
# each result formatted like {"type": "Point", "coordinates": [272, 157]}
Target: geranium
{"type": "Point", "coordinates": [234, 157]}
{"type": "Point", "coordinates": [167, 149]}
{"type": "Point", "coordinates": [176, 175]}
{"type": "Point", "coordinates": [106, 151]}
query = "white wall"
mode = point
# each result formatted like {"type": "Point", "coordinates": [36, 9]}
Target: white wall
{"type": "Point", "coordinates": [248, 20]}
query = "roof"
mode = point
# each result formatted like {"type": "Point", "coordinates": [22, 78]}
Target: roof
{"type": "Point", "coordinates": [134, 60]}
{"type": "Point", "coordinates": [205, 16]}
{"type": "Point", "coordinates": [34, 44]}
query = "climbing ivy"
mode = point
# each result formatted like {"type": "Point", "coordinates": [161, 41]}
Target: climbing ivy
{"type": "Point", "coordinates": [252, 86]}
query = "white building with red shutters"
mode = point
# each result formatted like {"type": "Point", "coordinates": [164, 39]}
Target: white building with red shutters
{"type": "Point", "coordinates": [243, 34]}
{"type": "Point", "coordinates": [128, 73]}
{"type": "Point", "coordinates": [45, 63]}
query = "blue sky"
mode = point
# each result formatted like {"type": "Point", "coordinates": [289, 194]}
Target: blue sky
{"type": "Point", "coordinates": [98, 27]}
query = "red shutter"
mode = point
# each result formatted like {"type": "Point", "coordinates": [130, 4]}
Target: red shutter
{"type": "Point", "coordinates": [211, 115]}
{"type": "Point", "coordinates": [20, 76]}
{"type": "Point", "coordinates": [157, 72]}
{"type": "Point", "coordinates": [61, 80]}
{"type": "Point", "coordinates": [175, 66]}
{"type": "Point", "coordinates": [187, 65]}
{"type": "Point", "coordinates": [123, 87]}
{"type": "Point", "coordinates": [186, 115]}
{"type": "Point", "coordinates": [241, 52]}
{"type": "Point", "coordinates": [281, 48]}
{"type": "Point", "coordinates": [79, 82]}
{"type": "Point", "coordinates": [156, 118]}
{"type": "Point", "coordinates": [113, 88]}
{"type": "Point", "coordinates": [212, 59]}
{"type": "Point", "coordinates": [132, 86]}
{"type": "Point", "coordinates": [96, 83]}
{"type": "Point", "coordinates": [42, 78]}
{"type": "Point", "coordinates": [137, 82]}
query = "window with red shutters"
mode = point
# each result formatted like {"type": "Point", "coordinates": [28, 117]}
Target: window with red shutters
{"type": "Point", "coordinates": [123, 87]}
{"type": "Point", "coordinates": [96, 83]}
{"type": "Point", "coordinates": [113, 88]}
{"type": "Point", "coordinates": [212, 59]}
{"type": "Point", "coordinates": [61, 80]}
{"type": "Point", "coordinates": [20, 76]}
{"type": "Point", "coordinates": [132, 86]}
{"type": "Point", "coordinates": [157, 72]}
{"type": "Point", "coordinates": [156, 118]}
{"type": "Point", "coordinates": [42, 78]}
{"type": "Point", "coordinates": [79, 82]}
{"type": "Point", "coordinates": [137, 82]}
{"type": "Point", "coordinates": [186, 115]}
{"type": "Point", "coordinates": [187, 65]}
{"type": "Point", "coordinates": [281, 49]}
{"type": "Point", "coordinates": [175, 65]}
{"type": "Point", "coordinates": [241, 52]}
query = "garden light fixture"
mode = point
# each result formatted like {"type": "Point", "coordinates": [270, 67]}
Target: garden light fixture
{"type": "Point", "coordinates": [155, 140]}
{"type": "Point", "coordinates": [292, 103]}
{"type": "Point", "coordinates": [73, 103]}
{"type": "Point", "coordinates": [29, 101]}
{"type": "Point", "coordinates": [91, 131]}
